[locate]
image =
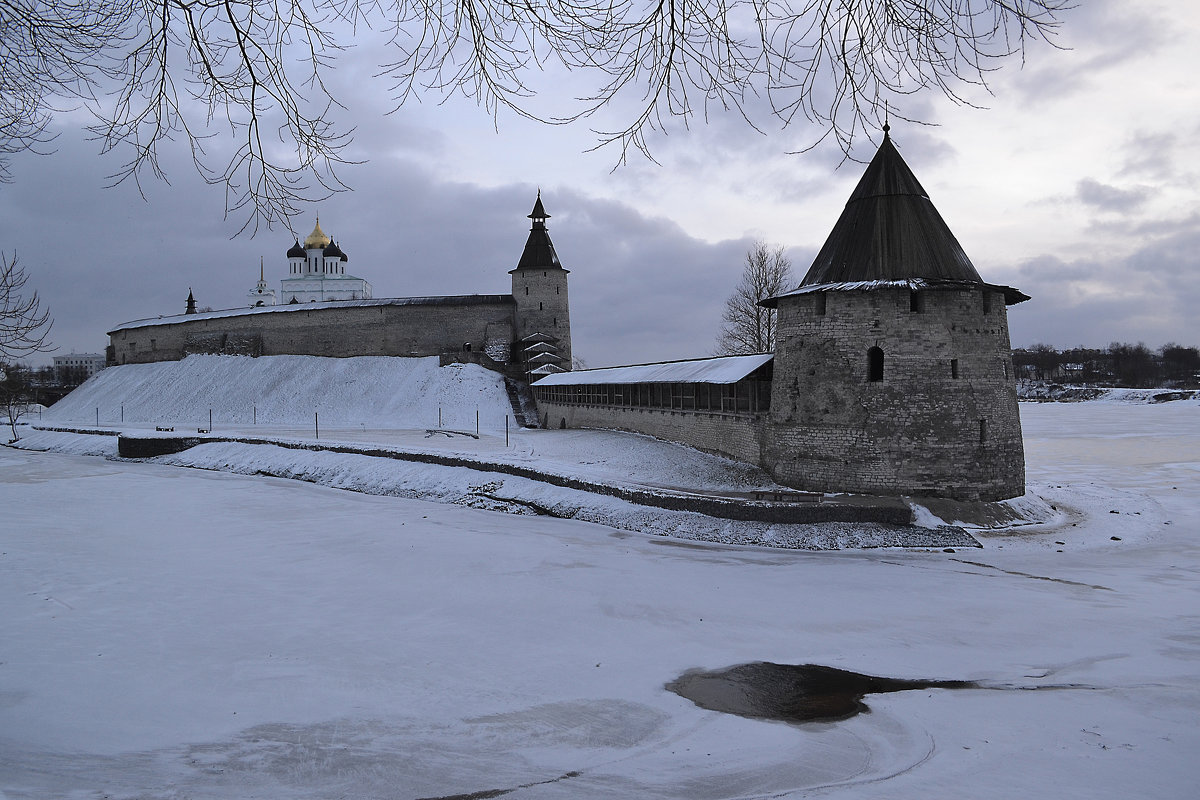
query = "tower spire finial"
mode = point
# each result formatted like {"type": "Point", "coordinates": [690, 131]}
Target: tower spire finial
{"type": "Point", "coordinates": [887, 116]}
{"type": "Point", "coordinates": [539, 215]}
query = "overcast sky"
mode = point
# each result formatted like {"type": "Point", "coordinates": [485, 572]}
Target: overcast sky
{"type": "Point", "coordinates": [1078, 184]}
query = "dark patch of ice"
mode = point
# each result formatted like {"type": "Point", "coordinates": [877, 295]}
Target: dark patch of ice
{"type": "Point", "coordinates": [790, 692]}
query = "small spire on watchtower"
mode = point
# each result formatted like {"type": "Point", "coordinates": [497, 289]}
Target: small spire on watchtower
{"type": "Point", "coordinates": [887, 118]}
{"type": "Point", "coordinates": [191, 303]}
{"type": "Point", "coordinates": [539, 215]}
{"type": "Point", "coordinates": [260, 269]}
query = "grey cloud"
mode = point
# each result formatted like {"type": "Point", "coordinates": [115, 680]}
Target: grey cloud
{"type": "Point", "coordinates": [1096, 37]}
{"type": "Point", "coordinates": [1108, 198]}
{"type": "Point", "coordinates": [1148, 295]}
{"type": "Point", "coordinates": [1151, 155]}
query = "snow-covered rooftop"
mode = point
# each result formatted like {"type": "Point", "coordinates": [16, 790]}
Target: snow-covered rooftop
{"type": "Point", "coordinates": [1011, 295]}
{"type": "Point", "coordinates": [723, 369]}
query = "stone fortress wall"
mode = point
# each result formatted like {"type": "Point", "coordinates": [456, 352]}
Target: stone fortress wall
{"type": "Point", "coordinates": [891, 372]}
{"type": "Point", "coordinates": [397, 327]}
{"type": "Point", "coordinates": [738, 436]}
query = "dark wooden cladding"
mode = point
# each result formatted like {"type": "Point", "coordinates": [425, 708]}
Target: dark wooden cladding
{"type": "Point", "coordinates": [890, 230]}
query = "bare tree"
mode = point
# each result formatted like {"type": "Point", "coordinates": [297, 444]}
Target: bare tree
{"type": "Point", "coordinates": [748, 327]}
{"type": "Point", "coordinates": [14, 395]}
{"type": "Point", "coordinates": [154, 70]}
{"type": "Point", "coordinates": [24, 324]}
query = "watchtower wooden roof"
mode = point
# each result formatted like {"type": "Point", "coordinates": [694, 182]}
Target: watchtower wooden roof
{"type": "Point", "coordinates": [890, 233]}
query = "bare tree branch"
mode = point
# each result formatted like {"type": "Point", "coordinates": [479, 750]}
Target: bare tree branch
{"type": "Point", "coordinates": [24, 324]}
{"type": "Point", "coordinates": [747, 327]}
{"type": "Point", "coordinates": [156, 70]}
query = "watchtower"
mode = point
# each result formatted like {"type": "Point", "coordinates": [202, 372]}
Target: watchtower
{"type": "Point", "coordinates": [893, 371]}
{"type": "Point", "coordinates": [539, 285]}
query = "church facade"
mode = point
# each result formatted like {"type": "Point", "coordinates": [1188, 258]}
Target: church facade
{"type": "Point", "coordinates": [317, 272]}
{"type": "Point", "coordinates": [324, 311]}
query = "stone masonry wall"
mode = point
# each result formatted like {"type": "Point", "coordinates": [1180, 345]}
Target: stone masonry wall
{"type": "Point", "coordinates": [380, 328]}
{"type": "Point", "coordinates": [542, 307]}
{"type": "Point", "coordinates": [736, 436]}
{"type": "Point", "coordinates": [943, 420]}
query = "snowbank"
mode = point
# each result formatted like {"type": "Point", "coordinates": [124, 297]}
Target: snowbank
{"type": "Point", "coordinates": [370, 391]}
{"type": "Point", "coordinates": [515, 494]}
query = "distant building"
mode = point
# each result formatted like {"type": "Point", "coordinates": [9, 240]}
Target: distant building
{"type": "Point", "coordinates": [323, 311]}
{"type": "Point", "coordinates": [317, 273]}
{"type": "Point", "coordinates": [262, 294]}
{"type": "Point", "coordinates": [79, 366]}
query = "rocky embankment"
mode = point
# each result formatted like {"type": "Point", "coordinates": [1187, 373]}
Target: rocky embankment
{"type": "Point", "coordinates": [1049, 392]}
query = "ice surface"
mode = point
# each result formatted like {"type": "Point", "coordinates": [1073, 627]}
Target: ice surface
{"type": "Point", "coordinates": [169, 633]}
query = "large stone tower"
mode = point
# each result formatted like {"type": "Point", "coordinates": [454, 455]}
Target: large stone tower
{"type": "Point", "coordinates": [539, 285]}
{"type": "Point", "coordinates": [892, 359]}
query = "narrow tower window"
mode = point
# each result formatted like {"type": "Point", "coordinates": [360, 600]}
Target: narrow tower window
{"type": "Point", "coordinates": [954, 368]}
{"type": "Point", "coordinates": [916, 302]}
{"type": "Point", "coordinates": [874, 364]}
{"type": "Point", "coordinates": [982, 431]}
{"type": "Point", "coordinates": [987, 302]}
{"type": "Point", "coordinates": [819, 304]}
{"type": "Point", "coordinates": [526, 291]}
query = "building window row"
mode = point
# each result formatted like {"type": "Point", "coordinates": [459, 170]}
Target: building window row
{"type": "Point", "coordinates": [743, 397]}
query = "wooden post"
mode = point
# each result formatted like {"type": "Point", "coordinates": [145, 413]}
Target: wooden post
{"type": "Point", "coordinates": [122, 412]}
{"type": "Point", "coordinates": [210, 420]}
{"type": "Point", "coordinates": [97, 416]}
{"type": "Point", "coordinates": [255, 407]}
{"type": "Point", "coordinates": [317, 424]}
{"type": "Point", "coordinates": [506, 430]}
{"type": "Point", "coordinates": [477, 423]}
{"type": "Point", "coordinates": [439, 416]}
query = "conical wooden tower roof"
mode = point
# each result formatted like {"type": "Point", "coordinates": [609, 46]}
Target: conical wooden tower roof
{"type": "Point", "coordinates": [890, 233]}
{"type": "Point", "coordinates": [539, 250]}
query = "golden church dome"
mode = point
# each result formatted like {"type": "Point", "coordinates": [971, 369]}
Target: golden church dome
{"type": "Point", "coordinates": [317, 238]}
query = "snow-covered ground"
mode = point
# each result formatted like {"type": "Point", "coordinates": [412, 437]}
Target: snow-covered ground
{"type": "Point", "coordinates": [169, 633]}
{"type": "Point", "coordinates": [1053, 392]}
{"type": "Point", "coordinates": [412, 406]}
{"type": "Point", "coordinates": [287, 391]}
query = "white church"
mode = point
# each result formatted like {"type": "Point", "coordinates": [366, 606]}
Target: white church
{"type": "Point", "coordinates": [316, 273]}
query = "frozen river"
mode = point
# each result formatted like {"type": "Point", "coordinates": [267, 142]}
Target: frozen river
{"type": "Point", "coordinates": [171, 633]}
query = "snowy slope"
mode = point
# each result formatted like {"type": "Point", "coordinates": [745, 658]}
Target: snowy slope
{"type": "Point", "coordinates": [371, 391]}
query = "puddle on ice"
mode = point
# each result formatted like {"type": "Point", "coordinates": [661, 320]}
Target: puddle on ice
{"type": "Point", "coordinates": [790, 692]}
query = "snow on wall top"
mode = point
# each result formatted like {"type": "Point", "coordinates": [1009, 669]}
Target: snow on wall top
{"type": "Point", "coordinates": [1011, 295]}
{"type": "Point", "coordinates": [466, 299]}
{"type": "Point", "coordinates": [723, 369]}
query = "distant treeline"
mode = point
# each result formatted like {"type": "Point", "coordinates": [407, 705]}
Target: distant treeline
{"type": "Point", "coordinates": [1119, 364]}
